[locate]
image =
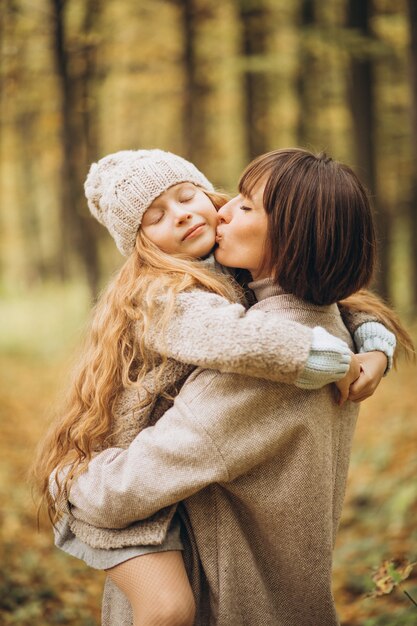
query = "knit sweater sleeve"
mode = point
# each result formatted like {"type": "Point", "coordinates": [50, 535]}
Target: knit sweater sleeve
{"type": "Point", "coordinates": [369, 333]}
{"type": "Point", "coordinates": [208, 331]}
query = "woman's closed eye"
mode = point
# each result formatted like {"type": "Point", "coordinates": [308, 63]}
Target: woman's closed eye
{"type": "Point", "coordinates": [245, 208]}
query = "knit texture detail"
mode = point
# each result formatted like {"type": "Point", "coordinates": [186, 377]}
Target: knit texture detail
{"type": "Point", "coordinates": [328, 361]}
{"type": "Point", "coordinates": [371, 336]}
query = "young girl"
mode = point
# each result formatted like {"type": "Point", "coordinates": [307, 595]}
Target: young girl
{"type": "Point", "coordinates": [161, 316]}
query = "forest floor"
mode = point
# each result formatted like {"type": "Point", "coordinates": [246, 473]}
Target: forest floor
{"type": "Point", "coordinates": [39, 585]}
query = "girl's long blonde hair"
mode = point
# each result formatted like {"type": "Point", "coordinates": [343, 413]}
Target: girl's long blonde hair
{"type": "Point", "coordinates": [115, 355]}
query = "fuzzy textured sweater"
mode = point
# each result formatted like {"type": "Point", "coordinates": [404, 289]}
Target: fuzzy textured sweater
{"type": "Point", "coordinates": [261, 468]}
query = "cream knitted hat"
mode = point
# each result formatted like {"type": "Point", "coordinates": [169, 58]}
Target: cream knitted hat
{"type": "Point", "coordinates": [121, 186]}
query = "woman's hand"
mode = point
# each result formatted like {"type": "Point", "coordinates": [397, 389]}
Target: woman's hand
{"type": "Point", "coordinates": [373, 366]}
{"type": "Point", "coordinates": [344, 384]}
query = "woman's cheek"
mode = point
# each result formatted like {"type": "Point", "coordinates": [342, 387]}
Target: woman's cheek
{"type": "Point", "coordinates": [225, 255]}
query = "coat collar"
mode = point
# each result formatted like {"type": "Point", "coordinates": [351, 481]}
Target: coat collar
{"type": "Point", "coordinates": [265, 288]}
{"type": "Point", "coordinates": [271, 296]}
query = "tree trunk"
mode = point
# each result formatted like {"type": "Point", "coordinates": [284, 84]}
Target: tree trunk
{"type": "Point", "coordinates": [75, 222]}
{"type": "Point", "coordinates": [412, 14]}
{"type": "Point", "coordinates": [255, 27]}
{"type": "Point", "coordinates": [89, 81]}
{"type": "Point", "coordinates": [197, 86]}
{"type": "Point", "coordinates": [362, 100]}
{"type": "Point", "coordinates": [35, 267]}
{"type": "Point", "coordinates": [306, 78]}
{"type": "Point", "coordinates": [5, 27]}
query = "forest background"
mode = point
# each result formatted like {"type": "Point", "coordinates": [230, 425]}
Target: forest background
{"type": "Point", "coordinates": [219, 83]}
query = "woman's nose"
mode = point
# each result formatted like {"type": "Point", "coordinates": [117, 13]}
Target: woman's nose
{"type": "Point", "coordinates": [224, 214]}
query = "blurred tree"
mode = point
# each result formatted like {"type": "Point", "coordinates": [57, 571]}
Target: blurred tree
{"type": "Point", "coordinates": [3, 80]}
{"type": "Point", "coordinates": [412, 18]}
{"type": "Point", "coordinates": [35, 267]}
{"type": "Point", "coordinates": [6, 81]}
{"type": "Point", "coordinates": [255, 23]}
{"type": "Point", "coordinates": [23, 118]}
{"type": "Point", "coordinates": [197, 86]}
{"type": "Point", "coordinates": [306, 74]}
{"type": "Point", "coordinates": [362, 101]}
{"type": "Point", "coordinates": [75, 65]}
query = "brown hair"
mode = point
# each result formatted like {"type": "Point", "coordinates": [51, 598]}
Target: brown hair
{"type": "Point", "coordinates": [321, 238]}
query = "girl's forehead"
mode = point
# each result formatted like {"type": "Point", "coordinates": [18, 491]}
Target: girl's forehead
{"type": "Point", "coordinates": [179, 186]}
{"type": "Point", "coordinates": [171, 191]}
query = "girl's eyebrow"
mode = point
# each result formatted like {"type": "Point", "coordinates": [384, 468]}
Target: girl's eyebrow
{"type": "Point", "coordinates": [184, 187]}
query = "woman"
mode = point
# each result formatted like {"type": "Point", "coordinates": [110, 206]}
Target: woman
{"type": "Point", "coordinates": [263, 465]}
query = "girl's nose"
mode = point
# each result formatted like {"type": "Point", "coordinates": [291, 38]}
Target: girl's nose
{"type": "Point", "coordinates": [181, 215]}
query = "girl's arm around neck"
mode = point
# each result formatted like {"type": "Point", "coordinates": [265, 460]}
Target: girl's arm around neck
{"type": "Point", "coordinates": [208, 331]}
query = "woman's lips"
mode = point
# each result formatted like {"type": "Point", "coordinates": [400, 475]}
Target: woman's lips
{"type": "Point", "coordinates": [193, 231]}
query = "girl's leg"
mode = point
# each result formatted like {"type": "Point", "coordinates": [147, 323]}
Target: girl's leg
{"type": "Point", "coordinates": [157, 588]}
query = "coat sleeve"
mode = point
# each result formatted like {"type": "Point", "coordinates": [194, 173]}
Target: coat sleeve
{"type": "Point", "coordinates": [217, 429]}
{"type": "Point", "coordinates": [164, 464]}
{"type": "Point", "coordinates": [208, 331]}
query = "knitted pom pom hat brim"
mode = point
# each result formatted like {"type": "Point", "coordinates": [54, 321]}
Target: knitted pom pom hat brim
{"type": "Point", "coordinates": [121, 186]}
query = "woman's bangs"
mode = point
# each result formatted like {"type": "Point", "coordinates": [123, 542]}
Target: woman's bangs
{"type": "Point", "coordinates": [253, 175]}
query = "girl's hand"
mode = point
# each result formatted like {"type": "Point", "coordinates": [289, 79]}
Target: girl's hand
{"type": "Point", "coordinates": [373, 366]}
{"type": "Point", "coordinates": [344, 384]}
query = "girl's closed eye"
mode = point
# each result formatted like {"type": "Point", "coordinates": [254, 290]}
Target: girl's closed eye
{"type": "Point", "coordinates": [152, 217]}
{"type": "Point", "coordinates": [187, 196]}
{"type": "Point", "coordinates": [245, 208]}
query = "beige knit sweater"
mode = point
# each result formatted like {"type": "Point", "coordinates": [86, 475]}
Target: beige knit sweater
{"type": "Point", "coordinates": [205, 330]}
{"type": "Point", "coordinates": [261, 468]}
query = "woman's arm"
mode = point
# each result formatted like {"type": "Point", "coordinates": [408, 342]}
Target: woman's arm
{"type": "Point", "coordinates": [209, 436]}
{"type": "Point", "coordinates": [163, 465]}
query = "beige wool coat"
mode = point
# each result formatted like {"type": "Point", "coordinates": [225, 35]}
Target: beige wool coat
{"type": "Point", "coordinates": [261, 469]}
